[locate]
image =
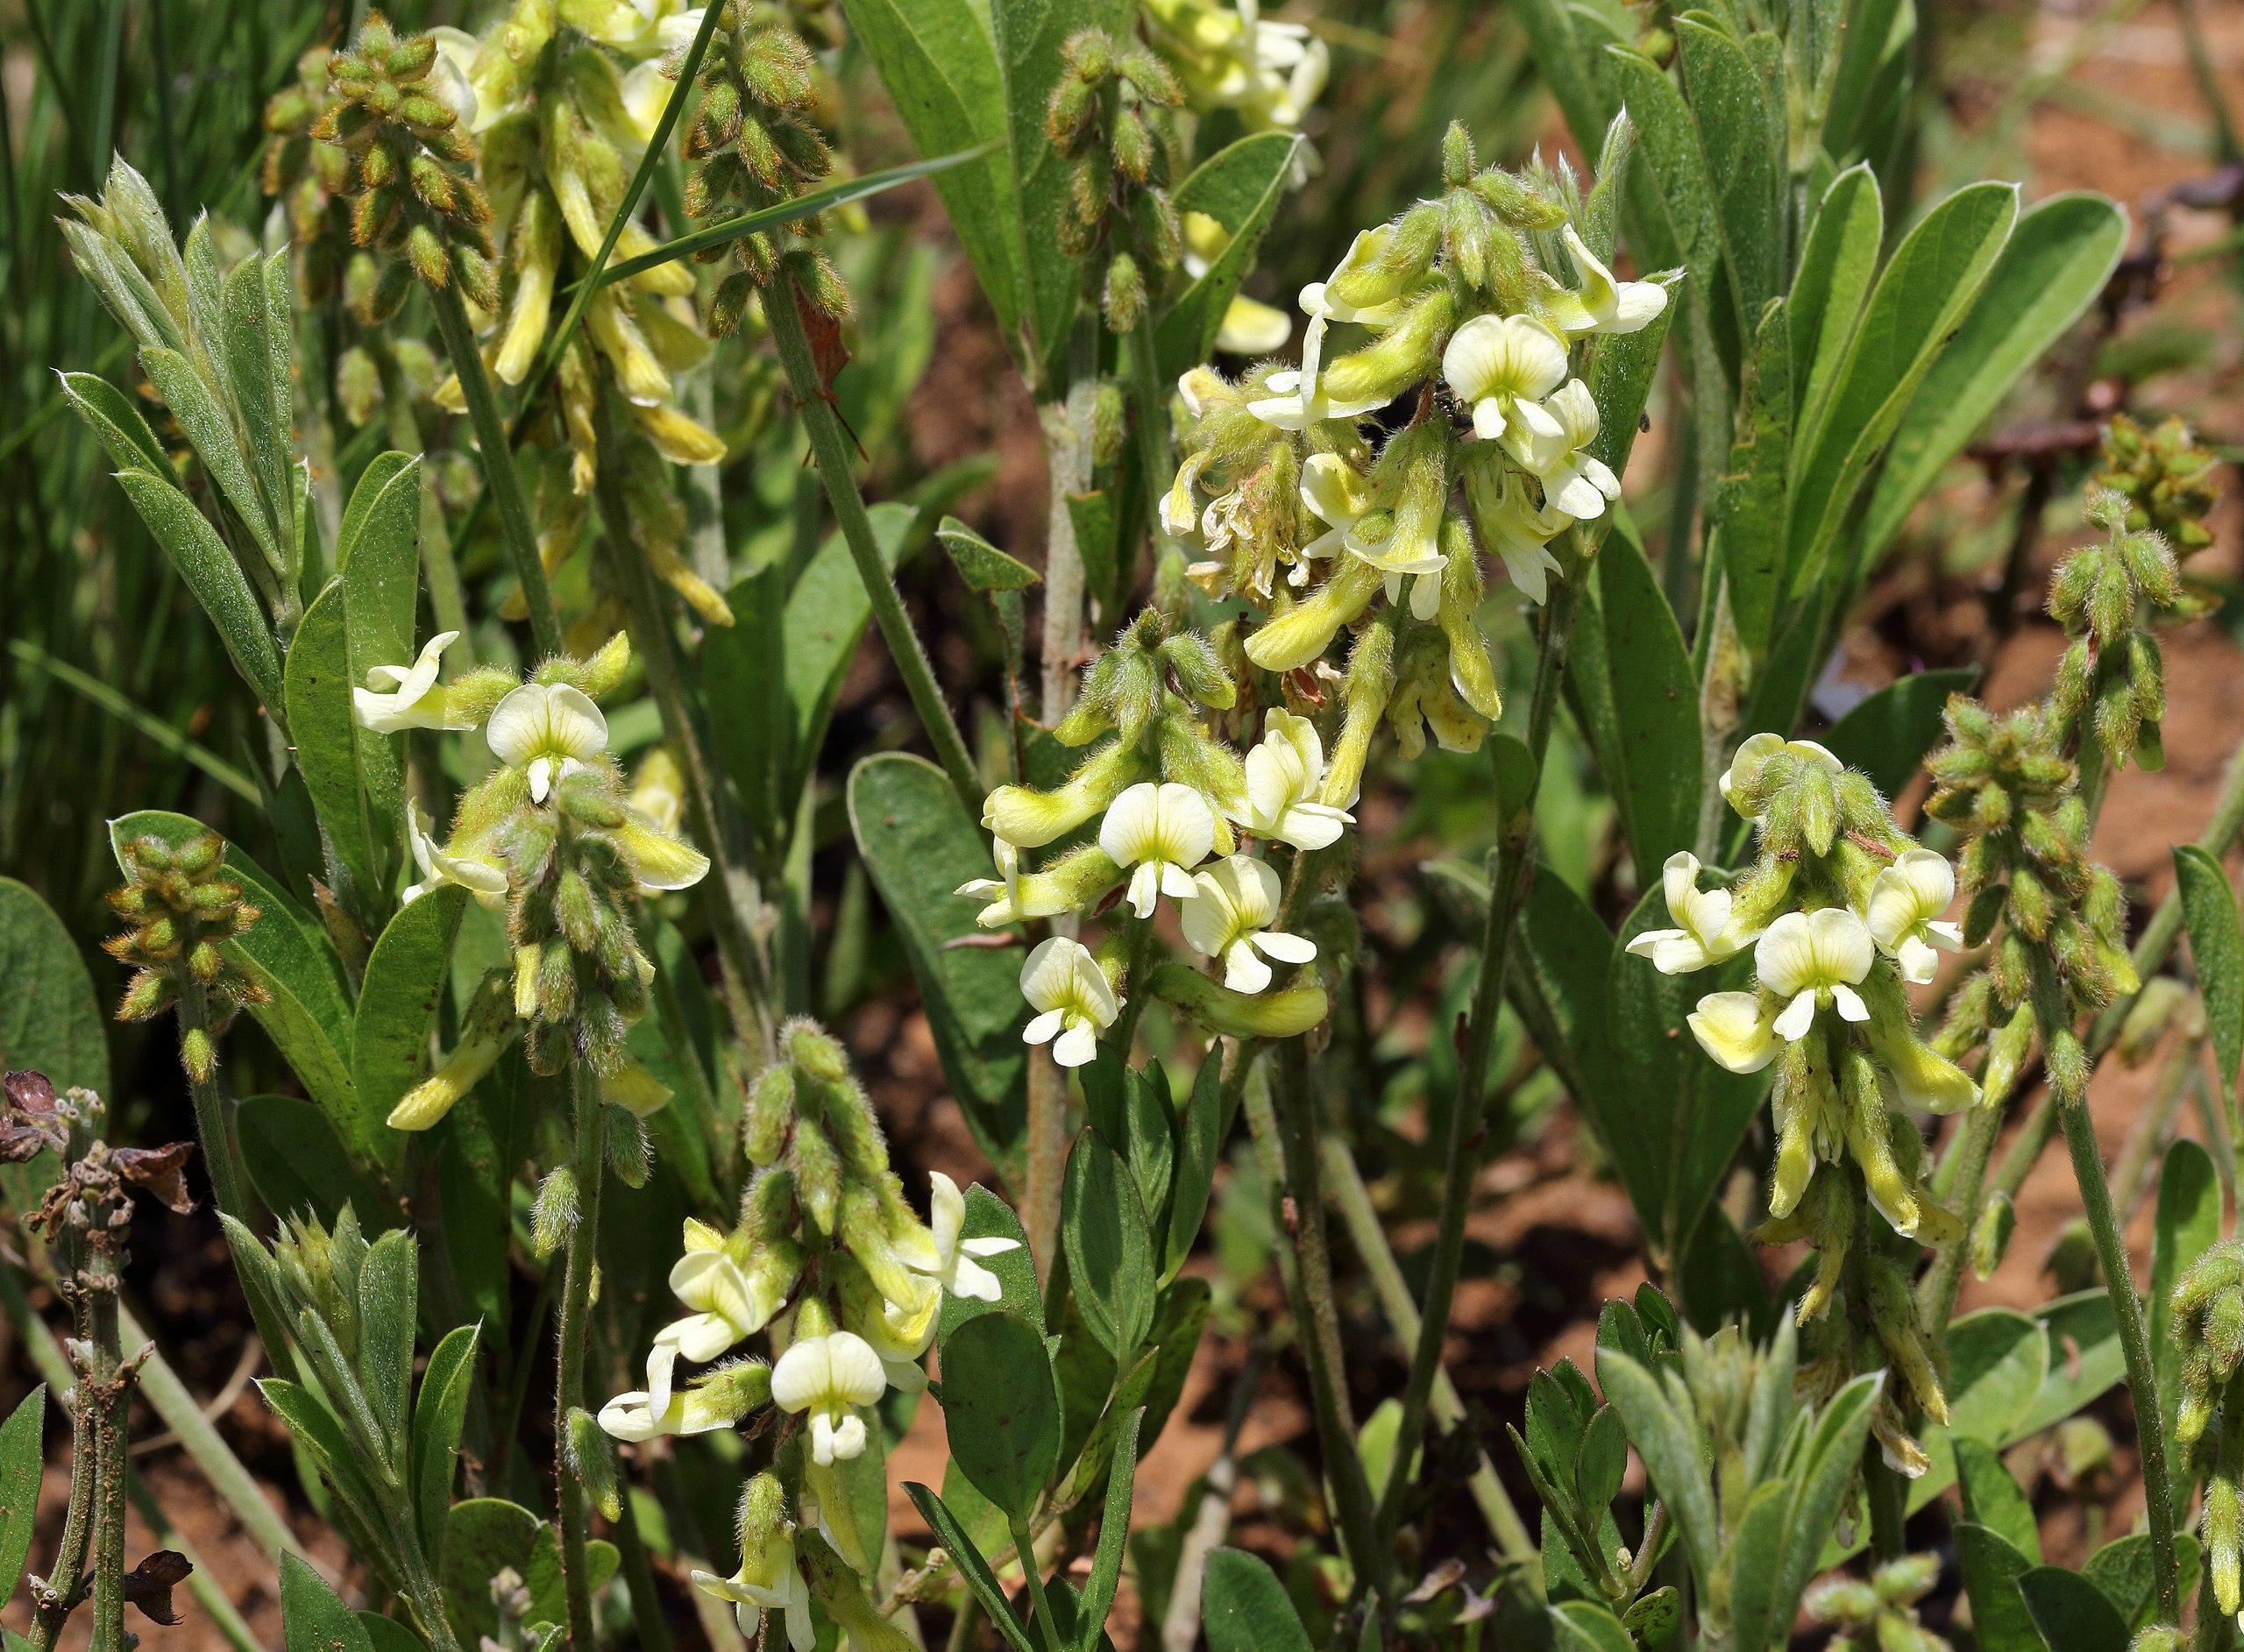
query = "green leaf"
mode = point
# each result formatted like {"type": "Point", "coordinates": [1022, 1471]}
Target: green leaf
{"type": "Point", "coordinates": [1742, 135]}
{"type": "Point", "coordinates": [939, 62]}
{"type": "Point", "coordinates": [1199, 1147]}
{"type": "Point", "coordinates": [312, 1618]}
{"type": "Point", "coordinates": [919, 845]}
{"type": "Point", "coordinates": [2053, 266]}
{"type": "Point", "coordinates": [307, 1013]}
{"type": "Point", "coordinates": [2071, 1612]}
{"type": "Point", "coordinates": [1103, 1229]}
{"type": "Point", "coordinates": [259, 353]}
{"type": "Point", "coordinates": [1887, 735]}
{"type": "Point", "coordinates": [991, 1217]}
{"type": "Point", "coordinates": [1749, 504]}
{"type": "Point", "coordinates": [1562, 61]}
{"type": "Point", "coordinates": [1245, 1608]}
{"type": "Point", "coordinates": [378, 561]}
{"type": "Point", "coordinates": [2125, 1573]}
{"type": "Point", "coordinates": [2187, 1225]}
{"type": "Point", "coordinates": [1669, 1445]}
{"type": "Point", "coordinates": [1621, 371]}
{"type": "Point", "coordinates": [298, 1164]}
{"type": "Point", "coordinates": [980, 563]}
{"type": "Point", "coordinates": [405, 978]}
{"type": "Point", "coordinates": [1757, 1564]}
{"type": "Point", "coordinates": [333, 751]}
{"type": "Point", "coordinates": [1930, 283]}
{"type": "Point", "coordinates": [1837, 267]}
{"type": "Point", "coordinates": [50, 1021]}
{"type": "Point", "coordinates": [210, 430]}
{"type": "Point", "coordinates": [1001, 1412]}
{"type": "Point", "coordinates": [2217, 952]}
{"type": "Point", "coordinates": [1994, 1500]}
{"type": "Point", "coordinates": [388, 1634]}
{"type": "Point", "coordinates": [1114, 1534]}
{"type": "Point", "coordinates": [1561, 964]}
{"type": "Point", "coordinates": [215, 577]}
{"type": "Point", "coordinates": [438, 1416]}
{"type": "Point", "coordinates": [1588, 1626]}
{"type": "Point", "coordinates": [388, 1290]}
{"type": "Point", "coordinates": [1149, 1148]}
{"type": "Point", "coordinates": [1240, 187]}
{"type": "Point", "coordinates": [483, 1536]}
{"type": "Point", "coordinates": [1632, 676]}
{"type": "Point", "coordinates": [21, 1457]}
{"type": "Point", "coordinates": [1991, 1566]}
{"type": "Point", "coordinates": [1669, 192]}
{"type": "Point", "coordinates": [1819, 1487]}
{"type": "Point", "coordinates": [541, 1572]}
{"type": "Point", "coordinates": [1876, 35]}
{"type": "Point", "coordinates": [111, 416]}
{"type": "Point", "coordinates": [987, 1590]}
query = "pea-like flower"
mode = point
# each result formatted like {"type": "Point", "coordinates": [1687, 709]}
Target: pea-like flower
{"type": "Point", "coordinates": [1516, 525]}
{"type": "Point", "coordinates": [1318, 298]}
{"type": "Point", "coordinates": [1337, 495]}
{"type": "Point", "coordinates": [1501, 367]}
{"type": "Point", "coordinates": [1744, 771]}
{"type": "Point", "coordinates": [548, 729]}
{"type": "Point", "coordinates": [484, 879]}
{"type": "Point", "coordinates": [1601, 304]}
{"type": "Point", "coordinates": [397, 698]}
{"type": "Point", "coordinates": [830, 1376]}
{"type": "Point", "coordinates": [1297, 397]}
{"type": "Point", "coordinates": [1704, 935]}
{"type": "Point", "coordinates": [1903, 913]}
{"type": "Point", "coordinates": [1733, 1028]}
{"type": "Point", "coordinates": [1164, 830]}
{"type": "Point", "coordinates": [957, 1268]}
{"type": "Point", "coordinates": [717, 1401]}
{"type": "Point", "coordinates": [1229, 915]}
{"type": "Point", "coordinates": [1574, 479]}
{"type": "Point", "coordinates": [729, 1304]}
{"type": "Point", "coordinates": [1807, 959]}
{"type": "Point", "coordinates": [1284, 777]}
{"type": "Point", "coordinates": [1074, 1000]}
{"type": "Point", "coordinates": [768, 1580]}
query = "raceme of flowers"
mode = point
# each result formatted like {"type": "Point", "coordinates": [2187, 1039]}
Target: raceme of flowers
{"type": "Point", "coordinates": [1159, 810]}
{"type": "Point", "coordinates": [1841, 909]}
{"type": "Point", "coordinates": [552, 837]}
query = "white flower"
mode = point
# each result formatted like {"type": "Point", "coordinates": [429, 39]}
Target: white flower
{"type": "Point", "coordinates": [1518, 528]}
{"type": "Point", "coordinates": [1733, 1028]}
{"type": "Point", "coordinates": [1574, 479]}
{"type": "Point", "coordinates": [768, 1581]}
{"type": "Point", "coordinates": [1228, 916]}
{"type": "Point", "coordinates": [1164, 830]}
{"type": "Point", "coordinates": [485, 881]}
{"type": "Point", "coordinates": [1501, 367]}
{"type": "Point", "coordinates": [1363, 252]}
{"type": "Point", "coordinates": [397, 698]}
{"type": "Point", "coordinates": [1745, 766]}
{"type": "Point", "coordinates": [1296, 400]}
{"type": "Point", "coordinates": [830, 1376]}
{"type": "Point", "coordinates": [550, 729]}
{"type": "Point", "coordinates": [956, 1268]}
{"type": "Point", "coordinates": [1604, 305]}
{"type": "Point", "coordinates": [1283, 774]}
{"type": "Point", "coordinates": [1806, 957]}
{"type": "Point", "coordinates": [1704, 937]}
{"type": "Point", "coordinates": [632, 1418]}
{"type": "Point", "coordinates": [449, 81]}
{"type": "Point", "coordinates": [1337, 494]}
{"type": "Point", "coordinates": [1003, 890]}
{"type": "Point", "coordinates": [1906, 902]}
{"type": "Point", "coordinates": [727, 1307]}
{"type": "Point", "coordinates": [1074, 1001]}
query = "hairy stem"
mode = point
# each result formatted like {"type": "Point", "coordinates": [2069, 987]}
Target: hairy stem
{"type": "Point", "coordinates": [1039, 1601]}
{"type": "Point", "coordinates": [575, 1504]}
{"type": "Point", "coordinates": [500, 480]}
{"type": "Point", "coordinates": [1067, 459]}
{"type": "Point", "coordinates": [830, 448]}
{"type": "Point", "coordinates": [213, 1117]}
{"type": "Point", "coordinates": [1513, 855]}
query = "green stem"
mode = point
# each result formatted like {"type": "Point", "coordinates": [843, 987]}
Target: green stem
{"type": "Point", "coordinates": [1039, 1601]}
{"type": "Point", "coordinates": [1149, 418]}
{"type": "Point", "coordinates": [105, 1387]}
{"type": "Point", "coordinates": [733, 900]}
{"type": "Point", "coordinates": [1967, 1176]}
{"type": "Point", "coordinates": [1514, 853]}
{"type": "Point", "coordinates": [574, 1504]}
{"type": "Point", "coordinates": [213, 1117]}
{"type": "Point", "coordinates": [54, 1601]}
{"type": "Point", "coordinates": [445, 600]}
{"type": "Point", "coordinates": [500, 480]}
{"type": "Point", "coordinates": [830, 448]}
{"type": "Point", "coordinates": [639, 1573]}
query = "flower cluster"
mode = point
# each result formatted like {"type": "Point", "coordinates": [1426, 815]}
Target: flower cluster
{"type": "Point", "coordinates": [2208, 1331]}
{"type": "Point", "coordinates": [2166, 476]}
{"type": "Point", "coordinates": [1231, 57]}
{"type": "Point", "coordinates": [1171, 802]}
{"type": "Point", "coordinates": [1483, 306]}
{"type": "Point", "coordinates": [181, 906]}
{"type": "Point", "coordinates": [2111, 681]}
{"type": "Point", "coordinates": [848, 1282]}
{"type": "Point", "coordinates": [1108, 118]}
{"type": "Point", "coordinates": [552, 837]}
{"type": "Point", "coordinates": [1881, 1612]}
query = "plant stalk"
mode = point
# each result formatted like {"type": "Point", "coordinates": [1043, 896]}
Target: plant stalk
{"type": "Point", "coordinates": [574, 1504]}
{"type": "Point", "coordinates": [1507, 888]}
{"type": "Point", "coordinates": [1039, 1601]}
{"type": "Point", "coordinates": [500, 480]}
{"type": "Point", "coordinates": [830, 448]}
{"type": "Point", "coordinates": [213, 1117]}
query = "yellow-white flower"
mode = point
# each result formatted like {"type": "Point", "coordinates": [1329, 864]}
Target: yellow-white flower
{"type": "Point", "coordinates": [1501, 367]}
{"type": "Point", "coordinates": [548, 729]}
{"type": "Point", "coordinates": [636, 28]}
{"type": "Point", "coordinates": [727, 1307]}
{"type": "Point", "coordinates": [1906, 902]}
{"type": "Point", "coordinates": [1601, 304]}
{"type": "Point", "coordinates": [1283, 776]}
{"type": "Point", "coordinates": [1003, 891]}
{"type": "Point", "coordinates": [1734, 1028]}
{"type": "Point", "coordinates": [1704, 936]}
{"type": "Point", "coordinates": [659, 860]}
{"type": "Point", "coordinates": [1228, 916]}
{"type": "Point", "coordinates": [1364, 251]}
{"type": "Point", "coordinates": [483, 879]}
{"type": "Point", "coordinates": [1399, 554]}
{"type": "Point", "coordinates": [1805, 958]}
{"type": "Point", "coordinates": [1074, 1001]}
{"type": "Point", "coordinates": [1164, 830]}
{"type": "Point", "coordinates": [1337, 495]}
{"type": "Point", "coordinates": [957, 1268]}
{"type": "Point", "coordinates": [1753, 755]}
{"type": "Point", "coordinates": [1574, 479]}
{"type": "Point", "coordinates": [632, 1416]}
{"type": "Point", "coordinates": [1249, 326]}
{"type": "Point", "coordinates": [830, 1376]}
{"type": "Point", "coordinates": [1297, 400]}
{"type": "Point", "coordinates": [397, 698]}
{"type": "Point", "coordinates": [768, 1580]}
{"type": "Point", "coordinates": [1519, 528]}
{"type": "Point", "coordinates": [449, 83]}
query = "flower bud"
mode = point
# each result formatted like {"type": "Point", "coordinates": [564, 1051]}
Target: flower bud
{"type": "Point", "coordinates": [553, 1213]}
